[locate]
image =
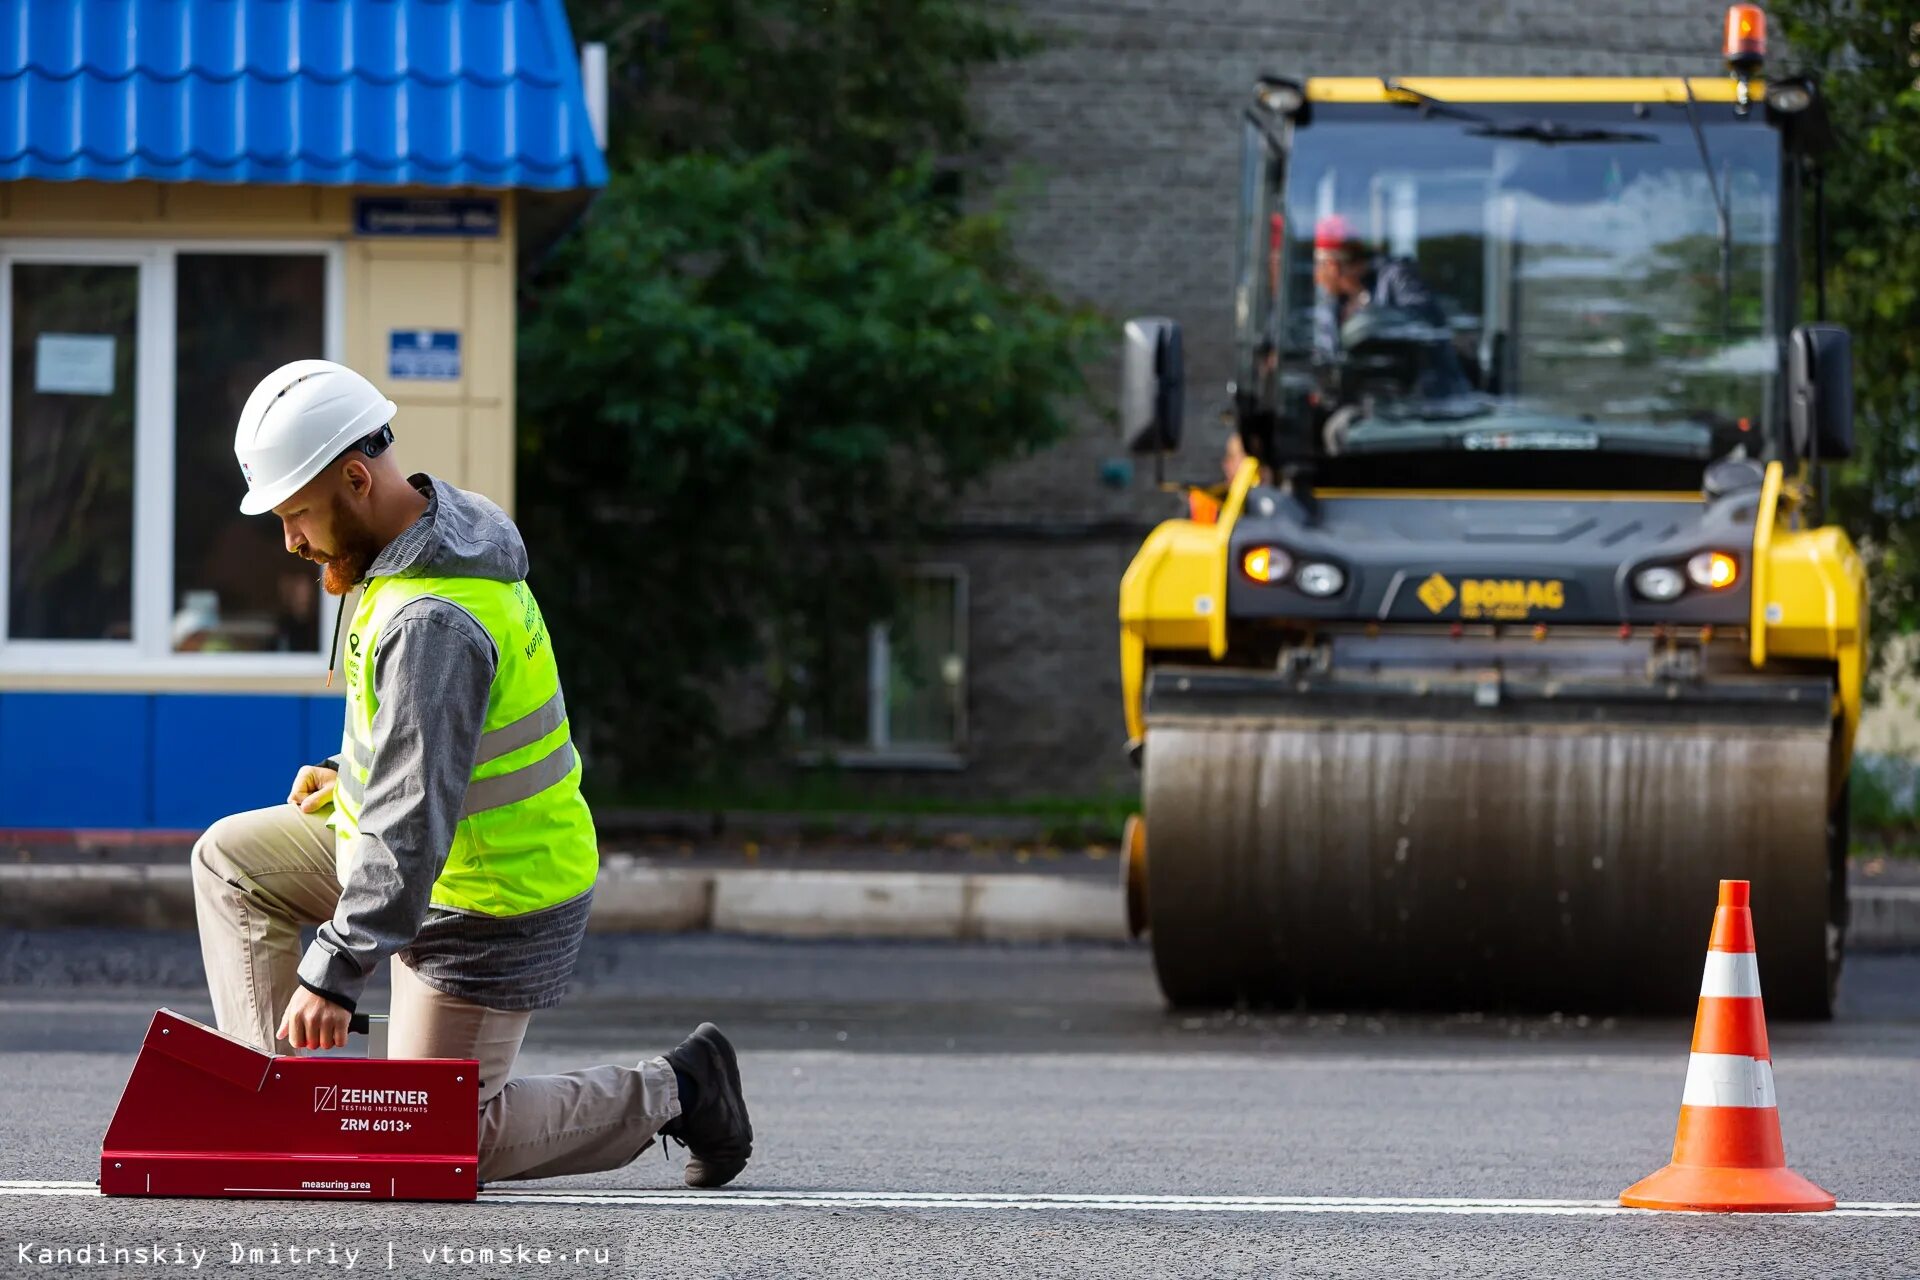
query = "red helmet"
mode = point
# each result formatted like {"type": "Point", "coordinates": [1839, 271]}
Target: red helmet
{"type": "Point", "coordinates": [1334, 232]}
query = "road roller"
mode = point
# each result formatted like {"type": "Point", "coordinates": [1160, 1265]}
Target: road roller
{"type": "Point", "coordinates": [1521, 624]}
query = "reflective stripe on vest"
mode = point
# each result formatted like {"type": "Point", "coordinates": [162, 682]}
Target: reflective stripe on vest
{"type": "Point", "coordinates": [523, 783]}
{"type": "Point", "coordinates": [488, 793]}
{"type": "Point", "coordinates": [524, 732]}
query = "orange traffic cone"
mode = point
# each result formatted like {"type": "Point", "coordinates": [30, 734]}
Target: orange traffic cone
{"type": "Point", "coordinates": [1727, 1155]}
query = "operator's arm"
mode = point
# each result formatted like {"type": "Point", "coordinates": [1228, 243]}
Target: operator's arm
{"type": "Point", "coordinates": [1399, 284]}
{"type": "Point", "coordinates": [431, 676]}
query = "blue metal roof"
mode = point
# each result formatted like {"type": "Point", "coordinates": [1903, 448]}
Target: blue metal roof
{"type": "Point", "coordinates": [362, 92]}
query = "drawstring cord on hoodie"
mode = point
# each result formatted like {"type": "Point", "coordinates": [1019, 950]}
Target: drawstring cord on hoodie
{"type": "Point", "coordinates": [333, 645]}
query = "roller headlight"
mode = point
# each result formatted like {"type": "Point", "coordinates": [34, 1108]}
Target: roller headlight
{"type": "Point", "coordinates": [1660, 583]}
{"type": "Point", "coordinates": [1318, 578]}
{"type": "Point", "coordinates": [1714, 570]}
{"type": "Point", "coordinates": [1789, 98]}
{"type": "Point", "coordinates": [1266, 564]}
{"type": "Point", "coordinates": [1282, 97]}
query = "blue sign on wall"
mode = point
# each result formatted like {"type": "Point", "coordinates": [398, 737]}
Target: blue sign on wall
{"type": "Point", "coordinates": [424, 355]}
{"type": "Point", "coordinates": [417, 216]}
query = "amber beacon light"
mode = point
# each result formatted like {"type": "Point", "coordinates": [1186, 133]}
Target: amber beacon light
{"type": "Point", "coordinates": [1746, 37]}
{"type": "Point", "coordinates": [1746, 48]}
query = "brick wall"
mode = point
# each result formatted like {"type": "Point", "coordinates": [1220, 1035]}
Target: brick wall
{"type": "Point", "coordinates": [1043, 683]}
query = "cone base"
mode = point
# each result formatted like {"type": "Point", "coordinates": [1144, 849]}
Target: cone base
{"type": "Point", "coordinates": [1722, 1190]}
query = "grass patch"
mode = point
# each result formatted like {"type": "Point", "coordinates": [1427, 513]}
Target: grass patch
{"type": "Point", "coordinates": [1885, 796]}
{"type": "Point", "coordinates": [1069, 816]}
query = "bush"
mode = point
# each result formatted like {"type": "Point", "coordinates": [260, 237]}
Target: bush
{"type": "Point", "coordinates": [1885, 794]}
{"type": "Point", "coordinates": [736, 421]}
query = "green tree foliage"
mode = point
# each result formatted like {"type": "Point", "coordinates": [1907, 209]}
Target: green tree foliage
{"type": "Point", "coordinates": [772, 355]}
{"type": "Point", "coordinates": [1867, 54]}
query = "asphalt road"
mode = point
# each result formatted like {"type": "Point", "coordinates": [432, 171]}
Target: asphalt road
{"type": "Point", "coordinates": [949, 1110]}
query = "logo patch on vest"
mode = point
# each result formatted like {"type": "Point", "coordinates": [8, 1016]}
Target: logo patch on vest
{"type": "Point", "coordinates": [530, 620]}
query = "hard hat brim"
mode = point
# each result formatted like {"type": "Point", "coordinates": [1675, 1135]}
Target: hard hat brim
{"type": "Point", "coordinates": [260, 500]}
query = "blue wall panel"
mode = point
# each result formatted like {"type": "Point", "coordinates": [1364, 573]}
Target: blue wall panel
{"type": "Point", "coordinates": [173, 761]}
{"type": "Point", "coordinates": [76, 760]}
{"type": "Point", "coordinates": [325, 718]}
{"type": "Point", "coordinates": [215, 754]}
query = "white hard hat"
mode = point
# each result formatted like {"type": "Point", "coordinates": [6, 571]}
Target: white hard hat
{"type": "Point", "coordinates": [301, 417]}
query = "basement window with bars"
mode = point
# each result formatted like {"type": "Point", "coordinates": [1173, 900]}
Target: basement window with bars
{"type": "Point", "coordinates": [894, 696]}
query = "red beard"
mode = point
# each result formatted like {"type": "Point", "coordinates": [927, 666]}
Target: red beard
{"type": "Point", "coordinates": [358, 548]}
{"type": "Point", "coordinates": [339, 577]}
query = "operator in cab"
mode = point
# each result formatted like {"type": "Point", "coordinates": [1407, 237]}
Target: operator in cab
{"type": "Point", "coordinates": [1348, 276]}
{"type": "Point", "coordinates": [1381, 340]}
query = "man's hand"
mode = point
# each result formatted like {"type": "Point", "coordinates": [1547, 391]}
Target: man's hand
{"type": "Point", "coordinates": [313, 788]}
{"type": "Point", "coordinates": [313, 1022]}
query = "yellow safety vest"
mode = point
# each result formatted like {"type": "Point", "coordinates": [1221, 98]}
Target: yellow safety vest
{"type": "Point", "coordinates": [525, 836]}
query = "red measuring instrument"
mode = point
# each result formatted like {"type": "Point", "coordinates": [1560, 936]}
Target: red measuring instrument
{"type": "Point", "coordinates": [205, 1114]}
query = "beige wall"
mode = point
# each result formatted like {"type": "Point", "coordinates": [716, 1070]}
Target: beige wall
{"type": "Point", "coordinates": [462, 431]}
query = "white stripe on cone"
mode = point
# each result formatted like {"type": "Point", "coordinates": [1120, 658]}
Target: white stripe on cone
{"type": "Point", "coordinates": [1731, 973]}
{"type": "Point", "coordinates": [1728, 1080]}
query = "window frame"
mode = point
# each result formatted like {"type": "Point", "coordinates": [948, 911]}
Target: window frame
{"type": "Point", "coordinates": [879, 751]}
{"type": "Point", "coordinates": [150, 652]}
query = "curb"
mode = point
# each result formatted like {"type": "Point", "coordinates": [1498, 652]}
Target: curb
{"type": "Point", "coordinates": [644, 899]}
{"type": "Point", "coordinates": [124, 896]}
{"type": "Point", "coordinates": [630, 898]}
{"type": "Point", "coordinates": [1884, 919]}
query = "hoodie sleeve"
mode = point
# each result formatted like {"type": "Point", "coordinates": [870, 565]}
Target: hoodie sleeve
{"type": "Point", "coordinates": [431, 675]}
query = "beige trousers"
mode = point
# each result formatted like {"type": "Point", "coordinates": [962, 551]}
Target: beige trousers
{"type": "Point", "coordinates": [259, 876]}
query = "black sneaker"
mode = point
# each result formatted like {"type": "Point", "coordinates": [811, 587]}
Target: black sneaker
{"type": "Point", "coordinates": [717, 1134]}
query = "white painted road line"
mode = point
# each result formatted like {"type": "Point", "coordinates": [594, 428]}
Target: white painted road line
{"type": "Point", "coordinates": [991, 1201]}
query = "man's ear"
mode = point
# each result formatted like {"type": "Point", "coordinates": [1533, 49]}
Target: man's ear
{"type": "Point", "coordinates": [359, 478]}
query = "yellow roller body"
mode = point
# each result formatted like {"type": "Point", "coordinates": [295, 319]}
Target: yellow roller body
{"type": "Point", "coordinates": [1494, 746]}
{"type": "Point", "coordinates": [1349, 842]}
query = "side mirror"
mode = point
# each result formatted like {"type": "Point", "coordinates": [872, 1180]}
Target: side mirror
{"type": "Point", "coordinates": [1820, 392]}
{"type": "Point", "coordinates": [1152, 386]}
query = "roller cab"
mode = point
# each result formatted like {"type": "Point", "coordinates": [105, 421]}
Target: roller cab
{"type": "Point", "coordinates": [1521, 626]}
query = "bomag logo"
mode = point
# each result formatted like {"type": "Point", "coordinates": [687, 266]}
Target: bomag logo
{"type": "Point", "coordinates": [1509, 598]}
{"type": "Point", "coordinates": [1436, 593]}
{"type": "Point", "coordinates": [1494, 598]}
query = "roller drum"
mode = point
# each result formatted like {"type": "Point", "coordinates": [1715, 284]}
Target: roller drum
{"type": "Point", "coordinates": [1406, 863]}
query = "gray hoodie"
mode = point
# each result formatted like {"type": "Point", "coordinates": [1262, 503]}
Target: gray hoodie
{"type": "Point", "coordinates": [432, 674]}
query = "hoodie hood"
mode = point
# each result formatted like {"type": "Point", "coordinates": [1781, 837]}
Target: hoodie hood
{"type": "Point", "coordinates": [461, 535]}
